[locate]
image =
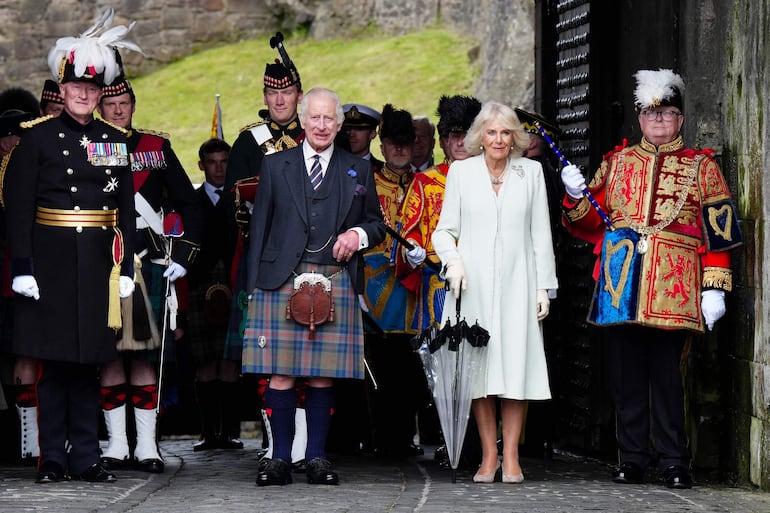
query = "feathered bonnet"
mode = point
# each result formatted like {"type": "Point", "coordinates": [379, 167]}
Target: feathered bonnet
{"type": "Point", "coordinates": [396, 125]}
{"type": "Point", "coordinates": [90, 57]}
{"type": "Point", "coordinates": [658, 88]}
{"type": "Point", "coordinates": [456, 113]}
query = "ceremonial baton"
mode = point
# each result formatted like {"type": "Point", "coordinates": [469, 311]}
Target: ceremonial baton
{"type": "Point", "coordinates": [408, 245]}
{"type": "Point", "coordinates": [566, 162]}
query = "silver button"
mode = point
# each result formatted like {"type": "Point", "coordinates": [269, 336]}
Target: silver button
{"type": "Point", "coordinates": [76, 209]}
{"type": "Point", "coordinates": [79, 229]}
{"type": "Point", "coordinates": [108, 171]}
{"type": "Point", "coordinates": [73, 189]}
{"type": "Point", "coordinates": [104, 227]}
{"type": "Point", "coordinates": [105, 136]}
{"type": "Point", "coordinates": [66, 152]}
{"type": "Point", "coordinates": [70, 171]}
{"type": "Point", "coordinates": [105, 207]}
{"type": "Point", "coordinates": [61, 135]}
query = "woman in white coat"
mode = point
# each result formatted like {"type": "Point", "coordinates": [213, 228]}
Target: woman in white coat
{"type": "Point", "coordinates": [494, 238]}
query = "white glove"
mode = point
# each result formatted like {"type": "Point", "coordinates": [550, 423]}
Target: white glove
{"type": "Point", "coordinates": [455, 275]}
{"type": "Point", "coordinates": [573, 180]}
{"type": "Point", "coordinates": [174, 271]}
{"type": "Point", "coordinates": [415, 256]}
{"type": "Point", "coordinates": [713, 306]}
{"type": "Point", "coordinates": [125, 286]}
{"type": "Point", "coordinates": [26, 285]}
{"type": "Point", "coordinates": [543, 304]}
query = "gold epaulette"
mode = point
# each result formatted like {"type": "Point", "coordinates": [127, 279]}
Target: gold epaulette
{"type": "Point", "coordinates": [164, 135]}
{"type": "Point", "coordinates": [113, 125]}
{"type": "Point", "coordinates": [36, 121]}
{"type": "Point", "coordinates": [252, 125]}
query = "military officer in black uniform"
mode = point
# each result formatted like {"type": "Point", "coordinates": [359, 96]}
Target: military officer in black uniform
{"type": "Point", "coordinates": [70, 218]}
{"type": "Point", "coordinates": [277, 129]}
{"type": "Point", "coordinates": [161, 187]}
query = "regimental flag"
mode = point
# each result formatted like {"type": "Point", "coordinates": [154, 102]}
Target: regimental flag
{"type": "Point", "coordinates": [216, 122]}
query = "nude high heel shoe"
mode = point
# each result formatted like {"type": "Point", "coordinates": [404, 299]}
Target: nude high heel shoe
{"type": "Point", "coordinates": [507, 478]}
{"type": "Point", "coordinates": [486, 478]}
{"type": "Point", "coordinates": [513, 478]}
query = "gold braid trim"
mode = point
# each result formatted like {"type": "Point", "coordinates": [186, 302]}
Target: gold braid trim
{"type": "Point", "coordinates": [3, 167]}
{"type": "Point", "coordinates": [718, 278]}
{"type": "Point", "coordinates": [578, 211]}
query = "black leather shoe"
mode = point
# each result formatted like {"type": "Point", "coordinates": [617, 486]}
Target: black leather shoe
{"type": "Point", "coordinates": [229, 442]}
{"type": "Point", "coordinates": [628, 473]}
{"type": "Point", "coordinates": [319, 471]}
{"type": "Point", "coordinates": [96, 474]}
{"type": "Point", "coordinates": [151, 465]}
{"type": "Point", "coordinates": [276, 472]}
{"type": "Point", "coordinates": [204, 444]}
{"type": "Point", "coordinates": [50, 472]}
{"type": "Point", "coordinates": [677, 477]}
{"type": "Point", "coordinates": [113, 463]}
{"type": "Point", "coordinates": [299, 466]}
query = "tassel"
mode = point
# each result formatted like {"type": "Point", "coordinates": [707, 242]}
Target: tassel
{"type": "Point", "coordinates": [114, 319]}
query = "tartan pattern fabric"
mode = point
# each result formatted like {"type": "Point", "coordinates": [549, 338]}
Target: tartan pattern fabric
{"type": "Point", "coordinates": [336, 351]}
{"type": "Point", "coordinates": [144, 397]}
{"type": "Point", "coordinates": [114, 396]}
{"type": "Point", "coordinates": [207, 340]}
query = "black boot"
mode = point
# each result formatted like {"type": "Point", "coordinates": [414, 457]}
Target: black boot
{"type": "Point", "coordinates": [208, 405]}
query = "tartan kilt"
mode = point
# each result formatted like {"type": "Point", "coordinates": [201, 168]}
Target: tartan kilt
{"type": "Point", "coordinates": [207, 339]}
{"type": "Point", "coordinates": [337, 349]}
{"type": "Point", "coordinates": [145, 349]}
{"type": "Point", "coordinates": [234, 336]}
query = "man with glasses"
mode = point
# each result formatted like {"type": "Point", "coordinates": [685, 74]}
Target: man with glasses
{"type": "Point", "coordinates": [662, 273]}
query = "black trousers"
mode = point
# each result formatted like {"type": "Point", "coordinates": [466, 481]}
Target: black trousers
{"type": "Point", "coordinates": [68, 410]}
{"type": "Point", "coordinates": [646, 387]}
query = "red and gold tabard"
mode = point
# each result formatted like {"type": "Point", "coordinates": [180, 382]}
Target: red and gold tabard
{"type": "Point", "coordinates": [419, 217]}
{"type": "Point", "coordinates": [674, 223]}
{"type": "Point", "coordinates": [390, 304]}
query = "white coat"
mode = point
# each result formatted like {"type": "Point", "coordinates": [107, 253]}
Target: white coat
{"type": "Point", "coordinates": [504, 242]}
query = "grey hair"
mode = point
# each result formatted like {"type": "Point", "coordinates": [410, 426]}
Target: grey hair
{"type": "Point", "coordinates": [321, 91]}
{"type": "Point", "coordinates": [495, 111]}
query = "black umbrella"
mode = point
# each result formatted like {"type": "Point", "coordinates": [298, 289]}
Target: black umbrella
{"type": "Point", "coordinates": [452, 356]}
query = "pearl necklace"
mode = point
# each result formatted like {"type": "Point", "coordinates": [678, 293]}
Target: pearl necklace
{"type": "Point", "coordinates": [497, 180]}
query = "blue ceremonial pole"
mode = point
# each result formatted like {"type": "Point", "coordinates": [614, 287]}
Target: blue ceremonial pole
{"type": "Point", "coordinates": [566, 162]}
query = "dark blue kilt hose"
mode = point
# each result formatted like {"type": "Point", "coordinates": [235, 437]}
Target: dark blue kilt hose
{"type": "Point", "coordinates": [337, 348]}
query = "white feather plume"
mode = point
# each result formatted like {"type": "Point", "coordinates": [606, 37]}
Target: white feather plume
{"type": "Point", "coordinates": [94, 47]}
{"type": "Point", "coordinates": [653, 87]}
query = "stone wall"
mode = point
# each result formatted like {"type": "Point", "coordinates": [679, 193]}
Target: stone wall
{"type": "Point", "coordinates": [171, 29]}
{"type": "Point", "coordinates": [743, 66]}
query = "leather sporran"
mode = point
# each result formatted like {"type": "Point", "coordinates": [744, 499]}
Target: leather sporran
{"type": "Point", "coordinates": [311, 303]}
{"type": "Point", "coordinates": [216, 306]}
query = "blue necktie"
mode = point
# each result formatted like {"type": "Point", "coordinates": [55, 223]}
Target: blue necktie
{"type": "Point", "coordinates": [316, 174]}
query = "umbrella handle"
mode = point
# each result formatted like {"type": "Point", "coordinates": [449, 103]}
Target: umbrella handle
{"type": "Point", "coordinates": [458, 301]}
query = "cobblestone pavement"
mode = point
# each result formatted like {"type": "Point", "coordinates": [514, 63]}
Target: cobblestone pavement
{"type": "Point", "coordinates": [223, 481]}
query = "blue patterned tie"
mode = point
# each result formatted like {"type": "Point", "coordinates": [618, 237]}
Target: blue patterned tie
{"type": "Point", "coordinates": [316, 174]}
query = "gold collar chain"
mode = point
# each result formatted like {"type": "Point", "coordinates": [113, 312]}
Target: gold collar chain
{"type": "Point", "coordinates": [646, 231]}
